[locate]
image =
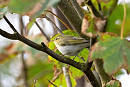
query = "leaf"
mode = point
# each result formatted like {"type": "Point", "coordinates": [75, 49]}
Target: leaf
{"type": "Point", "coordinates": [75, 72]}
{"type": "Point", "coordinates": [113, 83]}
{"type": "Point", "coordinates": [62, 82]}
{"type": "Point", "coordinates": [114, 52]}
{"type": "Point", "coordinates": [3, 11]}
{"type": "Point", "coordinates": [39, 68]}
{"type": "Point", "coordinates": [53, 3]}
{"type": "Point", "coordinates": [30, 24]}
{"type": "Point", "coordinates": [84, 54]}
{"type": "Point", "coordinates": [108, 6]}
{"type": "Point", "coordinates": [114, 22]}
{"type": "Point", "coordinates": [36, 83]}
{"type": "Point", "coordinates": [22, 6]}
{"type": "Point", "coordinates": [32, 8]}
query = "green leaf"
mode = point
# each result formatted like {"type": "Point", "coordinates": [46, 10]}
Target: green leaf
{"type": "Point", "coordinates": [84, 54]}
{"type": "Point", "coordinates": [22, 6]}
{"type": "Point", "coordinates": [108, 6]}
{"type": "Point", "coordinates": [36, 83]}
{"type": "Point", "coordinates": [3, 11]}
{"type": "Point", "coordinates": [114, 52]}
{"type": "Point", "coordinates": [69, 32]}
{"type": "Point", "coordinates": [66, 32]}
{"type": "Point", "coordinates": [32, 8]}
{"type": "Point", "coordinates": [114, 22]}
{"type": "Point", "coordinates": [39, 68]}
{"type": "Point", "coordinates": [53, 3]}
{"type": "Point", "coordinates": [113, 83]}
{"type": "Point", "coordinates": [30, 24]}
{"type": "Point", "coordinates": [75, 72]}
{"type": "Point", "coordinates": [60, 81]}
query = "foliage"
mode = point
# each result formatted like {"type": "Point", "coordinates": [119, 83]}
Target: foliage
{"type": "Point", "coordinates": [109, 47]}
{"type": "Point", "coordinates": [115, 49]}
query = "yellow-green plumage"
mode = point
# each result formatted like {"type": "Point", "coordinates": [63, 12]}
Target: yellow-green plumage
{"type": "Point", "coordinates": [69, 45]}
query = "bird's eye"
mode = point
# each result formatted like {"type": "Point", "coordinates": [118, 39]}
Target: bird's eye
{"type": "Point", "coordinates": [57, 38]}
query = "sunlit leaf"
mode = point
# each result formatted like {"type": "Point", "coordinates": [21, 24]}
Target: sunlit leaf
{"type": "Point", "coordinates": [75, 72]}
{"type": "Point", "coordinates": [114, 52]}
{"type": "Point", "coordinates": [60, 81]}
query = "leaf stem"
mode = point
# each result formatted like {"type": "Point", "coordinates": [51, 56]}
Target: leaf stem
{"type": "Point", "coordinates": [59, 19]}
{"type": "Point", "coordinates": [122, 29]}
{"type": "Point", "coordinates": [48, 39]}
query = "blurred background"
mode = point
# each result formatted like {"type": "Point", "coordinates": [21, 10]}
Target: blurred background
{"type": "Point", "coordinates": [20, 63]}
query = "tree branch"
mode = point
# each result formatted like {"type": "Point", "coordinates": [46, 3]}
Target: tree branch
{"type": "Point", "coordinates": [81, 66]}
{"type": "Point", "coordinates": [72, 16]}
{"type": "Point", "coordinates": [24, 70]}
{"type": "Point", "coordinates": [77, 8]}
{"type": "Point", "coordinates": [42, 31]}
{"type": "Point", "coordinates": [95, 11]}
{"type": "Point", "coordinates": [52, 83]}
{"type": "Point", "coordinates": [42, 48]}
{"type": "Point", "coordinates": [99, 68]}
{"type": "Point", "coordinates": [12, 27]}
{"type": "Point", "coordinates": [8, 35]}
{"type": "Point", "coordinates": [59, 30]}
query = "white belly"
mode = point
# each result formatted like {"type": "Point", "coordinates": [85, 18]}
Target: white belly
{"type": "Point", "coordinates": [72, 50]}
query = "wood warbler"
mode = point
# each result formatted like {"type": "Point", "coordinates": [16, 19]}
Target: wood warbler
{"type": "Point", "coordinates": [70, 45]}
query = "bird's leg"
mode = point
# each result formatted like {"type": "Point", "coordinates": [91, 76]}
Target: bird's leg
{"type": "Point", "coordinates": [74, 57]}
{"type": "Point", "coordinates": [81, 58]}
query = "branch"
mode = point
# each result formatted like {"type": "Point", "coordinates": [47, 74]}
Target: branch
{"type": "Point", "coordinates": [42, 48]}
{"type": "Point", "coordinates": [81, 66]}
{"type": "Point", "coordinates": [52, 83]}
{"type": "Point", "coordinates": [95, 11]}
{"type": "Point", "coordinates": [24, 70]}
{"type": "Point", "coordinates": [59, 30]}
{"type": "Point", "coordinates": [71, 15]}
{"type": "Point", "coordinates": [100, 69]}
{"type": "Point", "coordinates": [8, 35]}
{"type": "Point", "coordinates": [42, 31]}
{"type": "Point", "coordinates": [77, 8]}
{"type": "Point", "coordinates": [12, 27]}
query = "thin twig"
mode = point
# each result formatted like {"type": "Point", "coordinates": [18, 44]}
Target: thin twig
{"type": "Point", "coordinates": [122, 29]}
{"type": "Point", "coordinates": [42, 31]}
{"type": "Point", "coordinates": [9, 23]}
{"type": "Point", "coordinates": [59, 30]}
{"type": "Point", "coordinates": [95, 11]}
{"type": "Point", "coordinates": [21, 25]}
{"type": "Point", "coordinates": [52, 83]}
{"type": "Point", "coordinates": [59, 19]}
{"type": "Point", "coordinates": [24, 69]}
